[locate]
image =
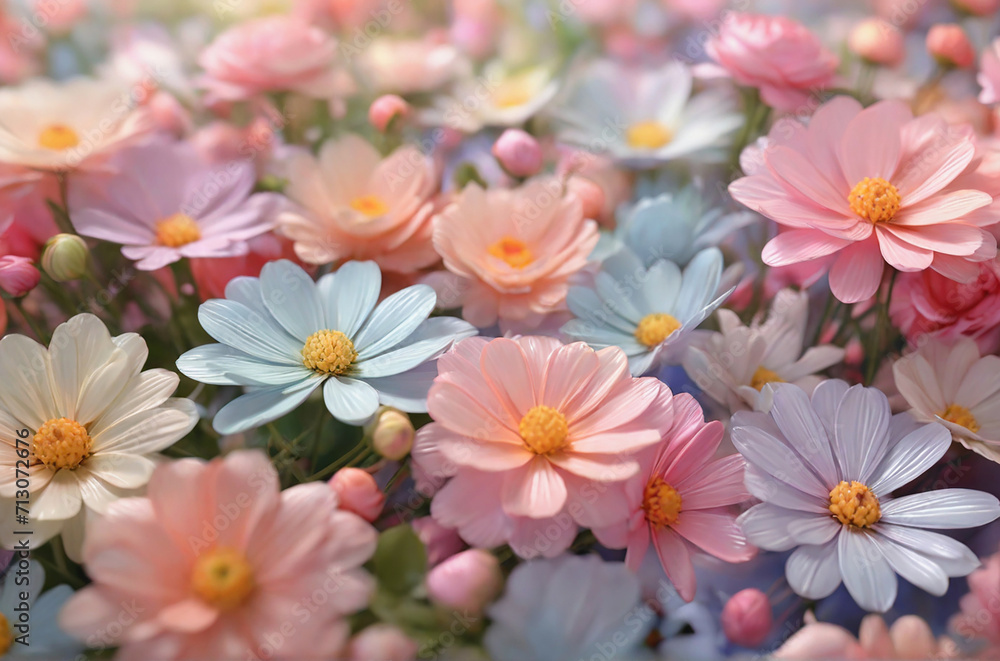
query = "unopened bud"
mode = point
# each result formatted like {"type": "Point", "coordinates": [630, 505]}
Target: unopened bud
{"type": "Point", "coordinates": [65, 257]}
{"type": "Point", "coordinates": [393, 434]}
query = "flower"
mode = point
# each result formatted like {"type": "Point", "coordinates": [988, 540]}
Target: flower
{"type": "Point", "coordinates": [568, 608]}
{"type": "Point", "coordinates": [214, 558]}
{"type": "Point", "coordinates": [909, 638]}
{"type": "Point", "coordinates": [948, 382]}
{"type": "Point", "coordinates": [466, 581]}
{"type": "Point", "coordinates": [386, 108]}
{"type": "Point", "coordinates": [732, 366]}
{"type": "Point", "coordinates": [406, 66]}
{"type": "Point", "coordinates": [677, 501]}
{"type": "Point", "coordinates": [518, 152]}
{"type": "Point", "coordinates": [747, 618]}
{"type": "Point", "coordinates": [357, 205]}
{"type": "Point", "coordinates": [775, 54]}
{"type": "Point", "coordinates": [825, 470]}
{"type": "Point", "coordinates": [989, 73]}
{"type": "Point", "coordinates": [18, 276]}
{"type": "Point", "coordinates": [532, 433]}
{"type": "Point", "coordinates": [950, 46]}
{"type": "Point", "coordinates": [649, 313]}
{"type": "Point", "coordinates": [282, 336]}
{"type": "Point", "coordinates": [47, 640]}
{"type": "Point", "coordinates": [74, 124]}
{"type": "Point", "coordinates": [878, 41]}
{"type": "Point", "coordinates": [91, 420]}
{"type": "Point", "coordinates": [358, 492]}
{"type": "Point", "coordinates": [870, 185]}
{"type": "Point", "coordinates": [650, 115]}
{"type": "Point", "coordinates": [166, 203]}
{"type": "Point", "coordinates": [979, 617]}
{"type": "Point", "coordinates": [510, 253]}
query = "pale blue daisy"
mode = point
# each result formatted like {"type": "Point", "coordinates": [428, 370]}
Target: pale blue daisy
{"type": "Point", "coordinates": [283, 335]}
{"type": "Point", "coordinates": [648, 312]}
{"type": "Point", "coordinates": [40, 637]}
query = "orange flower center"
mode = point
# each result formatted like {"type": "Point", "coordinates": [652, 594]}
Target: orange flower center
{"type": "Point", "coordinates": [512, 92]}
{"type": "Point", "coordinates": [58, 137]}
{"type": "Point", "coordinates": [369, 205]}
{"type": "Point", "coordinates": [961, 416]}
{"type": "Point", "coordinates": [648, 135]}
{"type": "Point", "coordinates": [178, 230]}
{"type": "Point", "coordinates": [222, 578]}
{"type": "Point", "coordinates": [654, 328]}
{"type": "Point", "coordinates": [512, 251]}
{"type": "Point", "coordinates": [875, 200]}
{"type": "Point", "coordinates": [854, 504]}
{"type": "Point", "coordinates": [763, 376]}
{"type": "Point", "coordinates": [61, 443]}
{"type": "Point", "coordinates": [329, 352]}
{"type": "Point", "coordinates": [661, 502]}
{"type": "Point", "coordinates": [544, 430]}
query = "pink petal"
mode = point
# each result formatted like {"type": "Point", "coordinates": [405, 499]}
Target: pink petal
{"type": "Point", "coordinates": [870, 145]}
{"type": "Point", "coordinates": [793, 167]}
{"type": "Point", "coordinates": [595, 467]}
{"type": "Point", "coordinates": [902, 254]}
{"type": "Point", "coordinates": [536, 490]}
{"type": "Point", "coordinates": [857, 273]}
{"type": "Point", "coordinates": [940, 208]}
{"type": "Point", "coordinates": [714, 484]}
{"type": "Point", "coordinates": [948, 238]}
{"type": "Point", "coordinates": [676, 560]}
{"type": "Point", "coordinates": [638, 544]}
{"type": "Point", "coordinates": [800, 245]}
{"type": "Point", "coordinates": [616, 441]}
{"type": "Point", "coordinates": [612, 369]}
{"type": "Point", "coordinates": [189, 615]}
{"type": "Point", "coordinates": [569, 372]}
{"type": "Point", "coordinates": [827, 124]}
{"type": "Point", "coordinates": [716, 534]}
{"type": "Point", "coordinates": [483, 454]}
{"type": "Point", "coordinates": [455, 409]}
{"type": "Point", "coordinates": [623, 405]}
{"type": "Point", "coordinates": [506, 370]}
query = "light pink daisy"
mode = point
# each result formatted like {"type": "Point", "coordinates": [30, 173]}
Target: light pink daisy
{"type": "Point", "coordinates": [215, 560]}
{"type": "Point", "coordinates": [680, 500]}
{"type": "Point", "coordinates": [533, 434]}
{"type": "Point", "coordinates": [872, 186]}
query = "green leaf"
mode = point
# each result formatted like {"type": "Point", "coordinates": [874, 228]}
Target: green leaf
{"type": "Point", "coordinates": [400, 560]}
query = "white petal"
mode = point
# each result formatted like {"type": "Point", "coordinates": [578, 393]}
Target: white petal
{"type": "Point", "coordinates": [394, 319]}
{"type": "Point", "coordinates": [701, 280]}
{"type": "Point", "coordinates": [913, 566]}
{"type": "Point", "coordinates": [290, 295]}
{"type": "Point", "coordinates": [766, 488]}
{"type": "Point", "coordinates": [862, 432]}
{"type": "Point", "coordinates": [222, 365]}
{"type": "Point", "coordinates": [866, 573]}
{"type": "Point", "coordinates": [260, 406]}
{"type": "Point", "coordinates": [350, 400]}
{"type": "Point", "coordinates": [954, 557]}
{"type": "Point", "coordinates": [349, 295]}
{"type": "Point", "coordinates": [431, 338]}
{"type": "Point", "coordinates": [813, 572]}
{"type": "Point", "coordinates": [145, 391]}
{"type": "Point", "coordinates": [148, 431]}
{"type": "Point", "coordinates": [59, 500]}
{"type": "Point", "coordinates": [406, 391]}
{"type": "Point", "coordinates": [78, 348]}
{"type": "Point", "coordinates": [910, 457]}
{"type": "Point", "coordinates": [102, 387]}
{"type": "Point", "coordinates": [126, 471]}
{"type": "Point", "coordinates": [767, 526]}
{"type": "Point", "coordinates": [826, 399]}
{"type": "Point", "coordinates": [25, 389]}
{"type": "Point", "coordinates": [774, 457]}
{"type": "Point", "coordinates": [794, 415]}
{"type": "Point", "coordinates": [943, 509]}
{"type": "Point", "coordinates": [242, 328]}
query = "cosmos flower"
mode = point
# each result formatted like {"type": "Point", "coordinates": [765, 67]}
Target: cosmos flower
{"type": "Point", "coordinates": [825, 470]}
{"type": "Point", "coordinates": [282, 336]}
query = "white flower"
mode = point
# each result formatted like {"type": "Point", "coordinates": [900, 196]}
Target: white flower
{"type": "Point", "coordinates": [649, 313]}
{"type": "Point", "coordinates": [732, 366]}
{"type": "Point", "coordinates": [87, 419]}
{"type": "Point", "coordinates": [283, 335]}
{"type": "Point", "coordinates": [951, 384]}
{"type": "Point", "coordinates": [645, 117]}
{"type": "Point", "coordinates": [826, 470]}
{"type": "Point", "coordinates": [42, 634]}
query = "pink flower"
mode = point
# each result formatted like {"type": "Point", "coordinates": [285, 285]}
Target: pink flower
{"type": "Point", "coordinates": [949, 45]}
{"type": "Point", "coordinates": [214, 559]}
{"type": "Point", "coordinates": [166, 203]}
{"type": "Point", "coordinates": [386, 108]}
{"type": "Point", "coordinates": [533, 435]}
{"type": "Point", "coordinates": [511, 252]}
{"type": "Point", "coordinates": [872, 186]}
{"type": "Point", "coordinates": [747, 618]}
{"type": "Point", "coordinates": [466, 581]}
{"type": "Point", "coordinates": [358, 492]}
{"type": "Point", "coordinates": [775, 54]}
{"type": "Point", "coordinates": [271, 54]}
{"type": "Point", "coordinates": [677, 502]}
{"type": "Point", "coordinates": [979, 618]}
{"type": "Point", "coordinates": [909, 638]}
{"type": "Point", "coordinates": [929, 303]}
{"type": "Point", "coordinates": [518, 153]}
{"type": "Point", "coordinates": [989, 74]}
{"type": "Point", "coordinates": [357, 205]}
{"type": "Point", "coordinates": [18, 275]}
{"type": "Point", "coordinates": [212, 274]}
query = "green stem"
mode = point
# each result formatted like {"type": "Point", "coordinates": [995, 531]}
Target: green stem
{"type": "Point", "coordinates": [63, 221]}
{"type": "Point", "coordinates": [881, 326]}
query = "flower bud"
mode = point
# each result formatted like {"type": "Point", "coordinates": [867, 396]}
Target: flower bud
{"type": "Point", "coordinates": [746, 618]}
{"type": "Point", "coordinates": [469, 581]}
{"type": "Point", "coordinates": [590, 194]}
{"type": "Point", "coordinates": [518, 153]}
{"type": "Point", "coordinates": [65, 257]}
{"type": "Point", "coordinates": [393, 434]}
{"type": "Point", "coordinates": [386, 108]}
{"type": "Point", "coordinates": [441, 542]}
{"type": "Point", "coordinates": [381, 642]}
{"type": "Point", "coordinates": [878, 41]}
{"type": "Point", "coordinates": [18, 275]}
{"type": "Point", "coordinates": [950, 46]}
{"type": "Point", "coordinates": [358, 492]}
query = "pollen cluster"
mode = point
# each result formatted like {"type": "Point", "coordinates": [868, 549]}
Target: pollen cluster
{"type": "Point", "coordinates": [61, 443]}
{"type": "Point", "coordinates": [958, 414]}
{"type": "Point", "coordinates": [854, 504]}
{"type": "Point", "coordinates": [875, 200]}
{"type": "Point", "coordinates": [648, 135]}
{"type": "Point", "coordinates": [222, 578]}
{"type": "Point", "coordinates": [177, 230]}
{"type": "Point", "coordinates": [513, 251]}
{"type": "Point", "coordinates": [58, 137]}
{"type": "Point", "coordinates": [329, 352]}
{"type": "Point", "coordinates": [763, 376]}
{"type": "Point", "coordinates": [544, 430]}
{"type": "Point", "coordinates": [654, 328]}
{"type": "Point", "coordinates": [661, 502]}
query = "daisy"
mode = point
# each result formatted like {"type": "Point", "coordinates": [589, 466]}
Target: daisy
{"type": "Point", "coordinates": [677, 502]}
{"type": "Point", "coordinates": [870, 185]}
{"type": "Point", "coordinates": [215, 558]}
{"type": "Point", "coordinates": [44, 637]}
{"type": "Point", "coordinates": [950, 383]}
{"type": "Point", "coordinates": [354, 204]}
{"type": "Point", "coordinates": [825, 470]}
{"type": "Point", "coordinates": [90, 421]}
{"type": "Point", "coordinates": [282, 336]}
{"type": "Point", "coordinates": [532, 434]}
{"type": "Point", "coordinates": [645, 117]}
{"type": "Point", "coordinates": [648, 312]}
{"type": "Point", "coordinates": [165, 203]}
{"type": "Point", "coordinates": [732, 366]}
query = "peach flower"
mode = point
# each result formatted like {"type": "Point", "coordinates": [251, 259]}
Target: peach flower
{"type": "Point", "coordinates": [910, 637]}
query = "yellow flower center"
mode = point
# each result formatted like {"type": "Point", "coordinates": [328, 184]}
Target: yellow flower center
{"type": "Point", "coordinates": [222, 578]}
{"type": "Point", "coordinates": [329, 352]}
{"type": "Point", "coordinates": [513, 251]}
{"type": "Point", "coordinates": [654, 328]}
{"type": "Point", "coordinates": [58, 137]}
{"type": "Point", "coordinates": [648, 135]}
{"type": "Point", "coordinates": [61, 443]}
{"type": "Point", "coordinates": [875, 200]}
{"type": "Point", "coordinates": [177, 230]}
{"type": "Point", "coordinates": [6, 636]}
{"type": "Point", "coordinates": [661, 502]}
{"type": "Point", "coordinates": [763, 376]}
{"type": "Point", "coordinates": [854, 504]}
{"type": "Point", "coordinates": [544, 430]}
{"type": "Point", "coordinates": [512, 92]}
{"type": "Point", "coordinates": [960, 416]}
{"type": "Point", "coordinates": [369, 205]}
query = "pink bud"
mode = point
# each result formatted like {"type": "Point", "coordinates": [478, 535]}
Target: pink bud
{"type": "Point", "coordinates": [950, 46]}
{"type": "Point", "coordinates": [393, 435]}
{"type": "Point", "coordinates": [467, 581]}
{"type": "Point", "coordinates": [877, 41]}
{"type": "Point", "coordinates": [977, 7]}
{"type": "Point", "coordinates": [18, 275]}
{"type": "Point", "coordinates": [385, 108]}
{"type": "Point", "coordinates": [518, 153]}
{"type": "Point", "coordinates": [381, 642]}
{"type": "Point", "coordinates": [591, 195]}
{"type": "Point", "coordinates": [440, 542]}
{"type": "Point", "coordinates": [746, 618]}
{"type": "Point", "coordinates": [358, 492]}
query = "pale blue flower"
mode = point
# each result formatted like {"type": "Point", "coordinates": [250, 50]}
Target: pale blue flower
{"type": "Point", "coordinates": [283, 335]}
{"type": "Point", "coordinates": [567, 609]}
{"type": "Point", "coordinates": [42, 635]}
{"type": "Point", "coordinates": [648, 312]}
